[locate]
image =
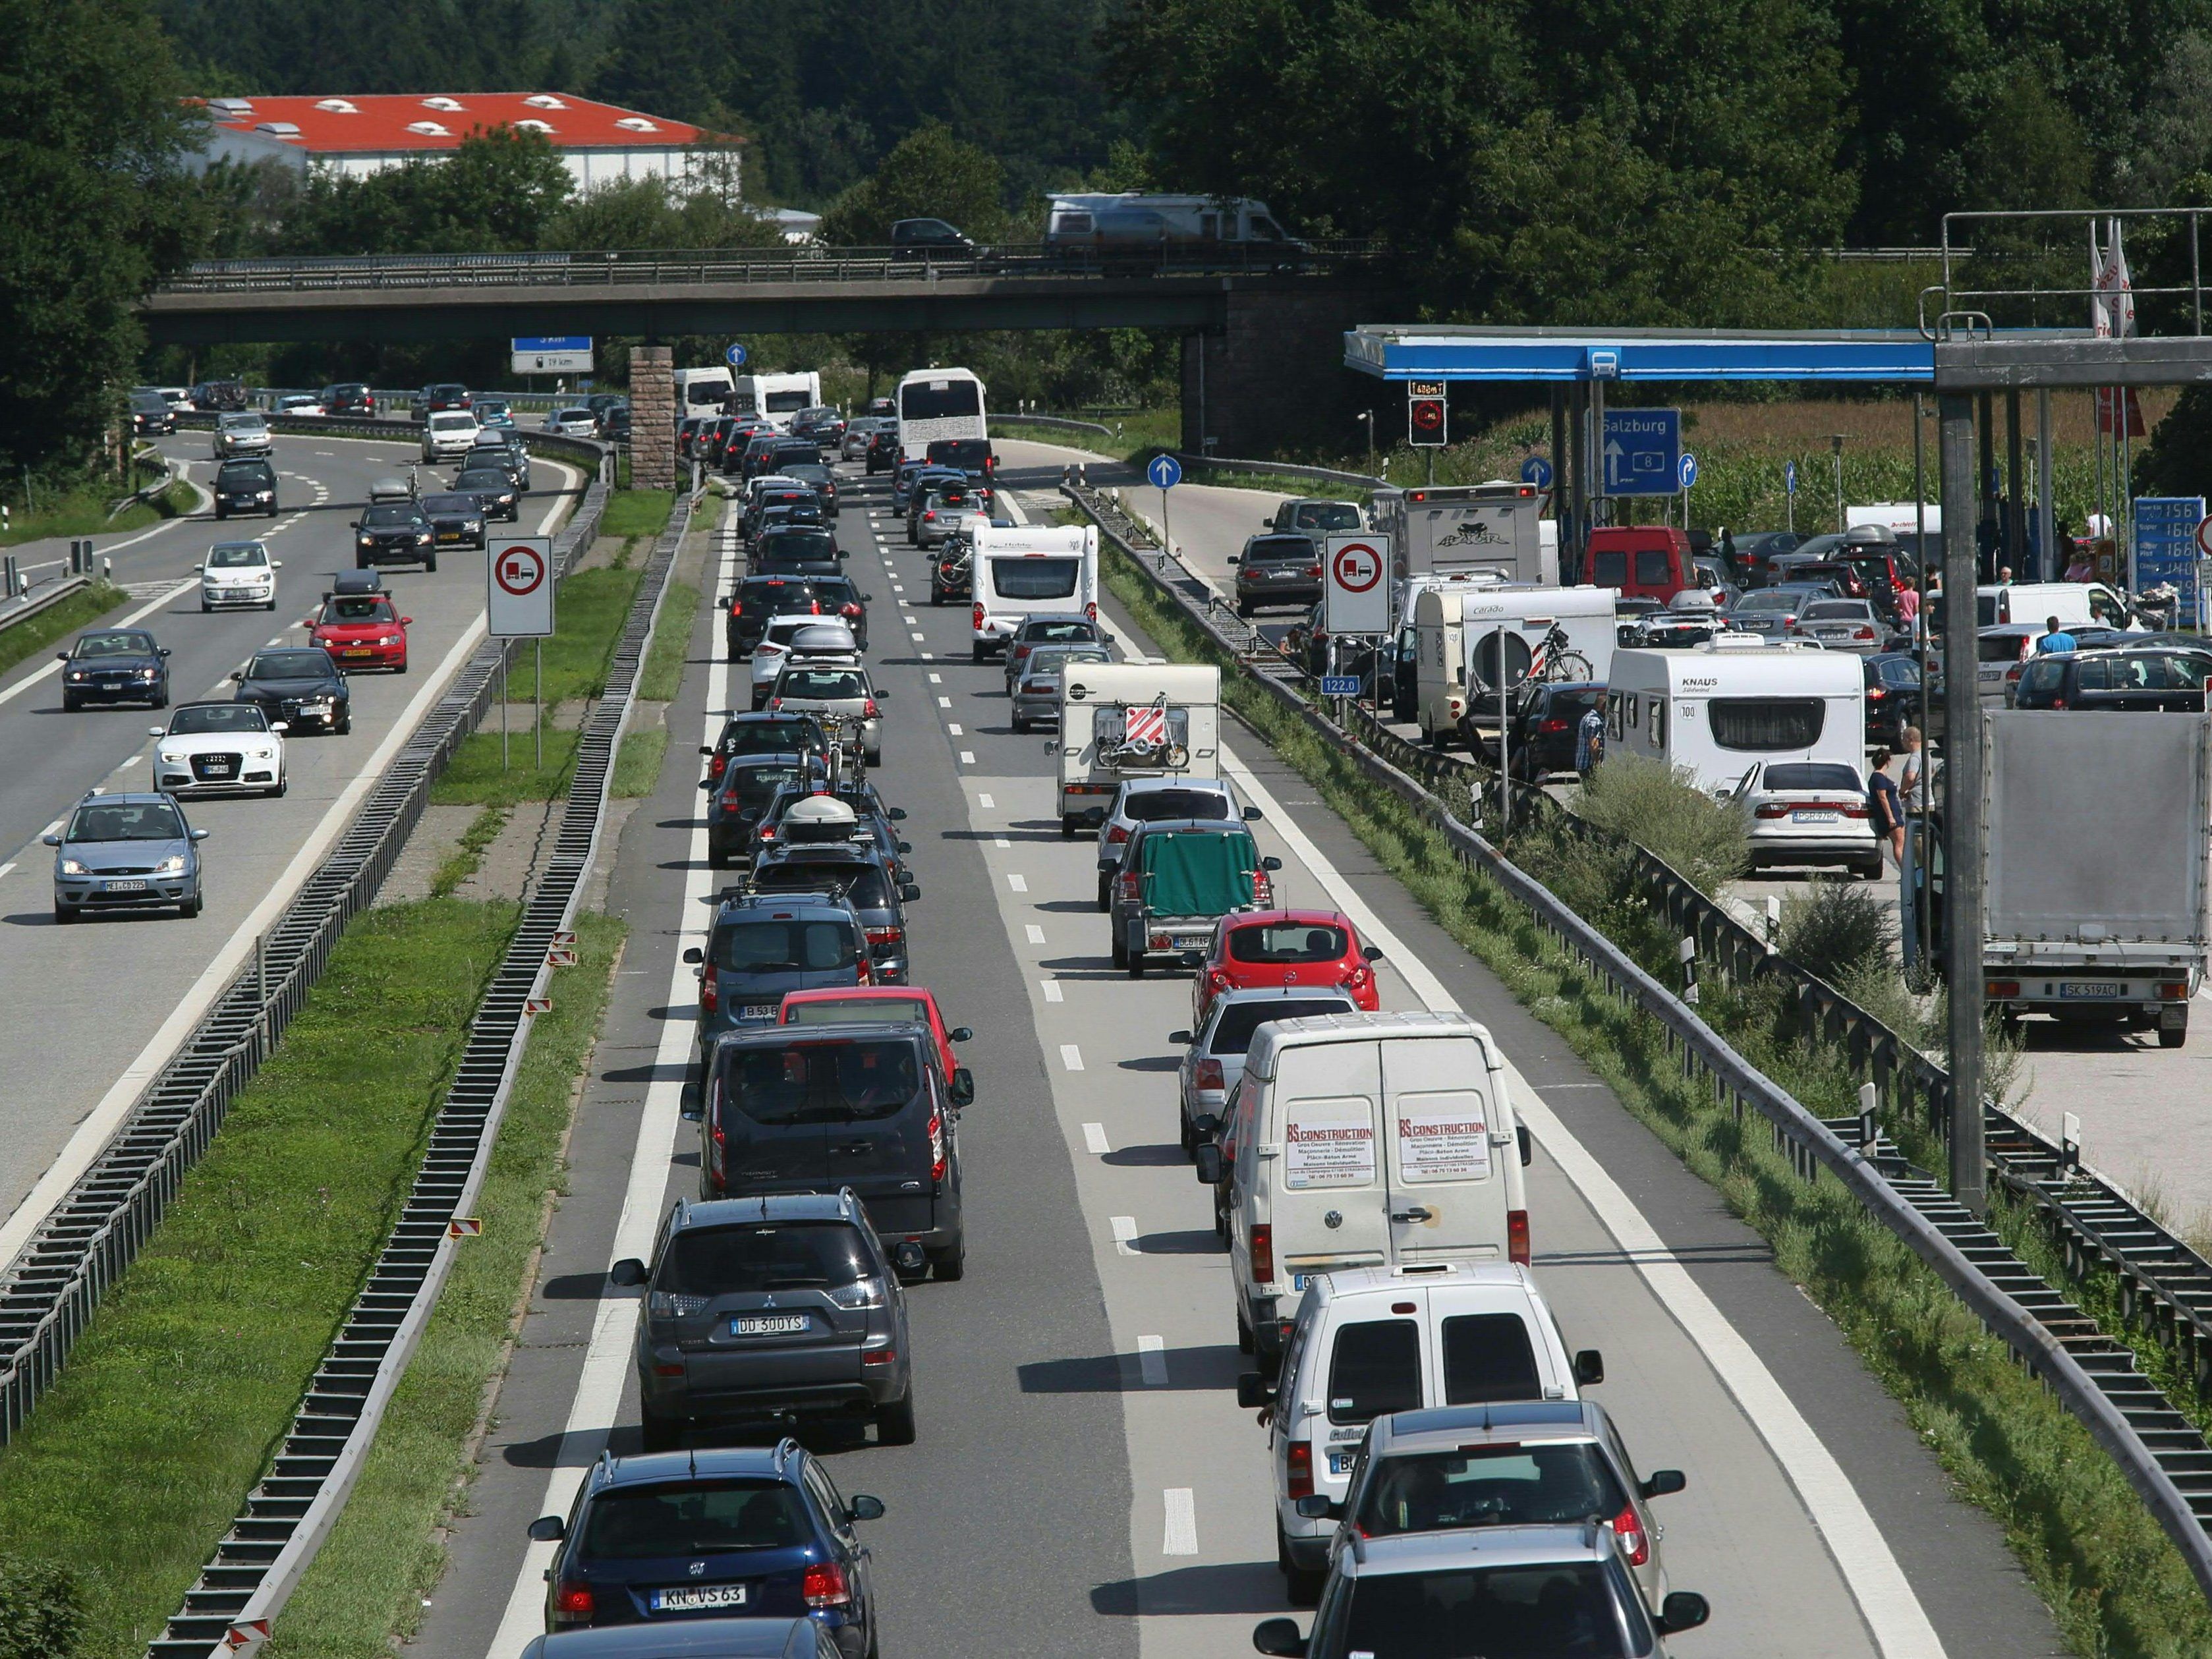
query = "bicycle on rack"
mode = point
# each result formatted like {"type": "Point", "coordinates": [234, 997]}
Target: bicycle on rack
{"type": "Point", "coordinates": [1555, 661]}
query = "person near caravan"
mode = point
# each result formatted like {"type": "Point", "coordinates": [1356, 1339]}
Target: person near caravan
{"type": "Point", "coordinates": [1589, 737]}
{"type": "Point", "coordinates": [1885, 806]}
{"type": "Point", "coordinates": [1908, 606]}
{"type": "Point", "coordinates": [2055, 639]}
{"type": "Point", "coordinates": [1911, 773]}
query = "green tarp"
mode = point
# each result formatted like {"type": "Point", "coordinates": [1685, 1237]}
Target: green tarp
{"type": "Point", "coordinates": [1198, 874]}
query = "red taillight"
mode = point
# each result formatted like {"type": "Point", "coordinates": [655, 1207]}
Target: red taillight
{"type": "Point", "coordinates": [1092, 611]}
{"type": "Point", "coordinates": [1630, 1531]}
{"type": "Point", "coordinates": [879, 1356]}
{"type": "Point", "coordinates": [1864, 634]}
{"type": "Point", "coordinates": [736, 609]}
{"type": "Point", "coordinates": [710, 994]}
{"type": "Point", "coordinates": [1116, 836]}
{"type": "Point", "coordinates": [1129, 884]}
{"type": "Point", "coordinates": [1208, 1075]}
{"type": "Point", "coordinates": [574, 1601]}
{"type": "Point", "coordinates": [850, 610]}
{"type": "Point", "coordinates": [825, 1586]}
{"type": "Point", "coordinates": [975, 620]}
{"type": "Point", "coordinates": [1552, 725]}
{"type": "Point", "coordinates": [1313, 570]}
{"type": "Point", "coordinates": [1772, 811]}
{"type": "Point", "coordinates": [868, 710]}
{"type": "Point", "coordinates": [928, 516]}
{"type": "Point", "coordinates": [881, 937]}
{"type": "Point", "coordinates": [1516, 1236]}
{"type": "Point", "coordinates": [1263, 1252]}
{"type": "Point", "coordinates": [936, 1155]}
{"type": "Point", "coordinates": [1875, 694]}
{"type": "Point", "coordinates": [1299, 1454]}
{"type": "Point", "coordinates": [775, 702]}
{"type": "Point", "coordinates": [2001, 988]}
{"type": "Point", "coordinates": [1360, 978]}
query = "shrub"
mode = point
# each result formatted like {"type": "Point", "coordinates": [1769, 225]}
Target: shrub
{"type": "Point", "coordinates": [41, 1611]}
{"type": "Point", "coordinates": [1835, 928]}
{"type": "Point", "coordinates": [1659, 808]}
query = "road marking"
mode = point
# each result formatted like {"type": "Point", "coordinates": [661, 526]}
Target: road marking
{"type": "Point", "coordinates": [943, 703]}
{"type": "Point", "coordinates": [985, 801]}
{"type": "Point", "coordinates": [1051, 986]}
{"type": "Point", "coordinates": [5, 868]}
{"type": "Point", "coordinates": [1094, 1139]}
{"type": "Point", "coordinates": [1000, 841]}
{"type": "Point", "coordinates": [916, 638]}
{"type": "Point", "coordinates": [1019, 883]}
{"type": "Point", "coordinates": [938, 679]}
{"type": "Point", "coordinates": [1071, 1056]}
{"type": "Point", "coordinates": [953, 728]}
{"type": "Point", "coordinates": [967, 757]}
{"type": "Point", "coordinates": [1152, 1365]}
{"type": "Point", "coordinates": [1180, 1537]}
{"type": "Point", "coordinates": [925, 656]}
{"type": "Point", "coordinates": [1125, 1234]}
{"type": "Point", "coordinates": [1886, 1599]}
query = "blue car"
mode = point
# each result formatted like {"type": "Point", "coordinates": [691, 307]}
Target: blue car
{"type": "Point", "coordinates": [701, 1639]}
{"type": "Point", "coordinates": [757, 1533]}
{"type": "Point", "coordinates": [126, 852]}
{"type": "Point", "coordinates": [115, 664]}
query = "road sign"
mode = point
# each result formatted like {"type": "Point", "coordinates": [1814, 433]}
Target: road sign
{"type": "Point", "coordinates": [1340, 686]}
{"type": "Point", "coordinates": [1789, 478]}
{"type": "Point", "coordinates": [551, 353]}
{"type": "Point", "coordinates": [1642, 451]}
{"type": "Point", "coordinates": [1357, 599]}
{"type": "Point", "coordinates": [1165, 471]}
{"type": "Point", "coordinates": [519, 588]}
{"type": "Point", "coordinates": [735, 356]}
{"type": "Point", "coordinates": [1425, 413]}
{"type": "Point", "coordinates": [1688, 470]}
{"type": "Point", "coordinates": [1537, 471]}
{"type": "Point", "coordinates": [2204, 537]}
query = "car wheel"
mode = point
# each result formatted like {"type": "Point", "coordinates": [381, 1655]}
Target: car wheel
{"type": "Point", "coordinates": [895, 1422]}
{"type": "Point", "coordinates": [1244, 610]}
{"type": "Point", "coordinates": [401, 667]}
{"type": "Point", "coordinates": [1106, 894]}
{"type": "Point", "coordinates": [950, 1265]}
{"type": "Point", "coordinates": [430, 564]}
{"type": "Point", "coordinates": [161, 698]}
{"type": "Point", "coordinates": [71, 702]}
{"type": "Point", "coordinates": [1183, 1135]}
{"type": "Point", "coordinates": [1243, 1333]}
{"type": "Point", "coordinates": [205, 607]}
{"type": "Point", "coordinates": [1020, 724]}
{"type": "Point", "coordinates": [2172, 1039]}
{"type": "Point", "coordinates": [345, 723]}
{"type": "Point", "coordinates": [191, 907]}
{"type": "Point", "coordinates": [1121, 950]}
{"type": "Point", "coordinates": [659, 1433]}
{"type": "Point", "coordinates": [284, 783]}
{"type": "Point", "coordinates": [360, 562]}
{"type": "Point", "coordinates": [63, 914]}
{"type": "Point", "coordinates": [1136, 960]}
{"type": "Point", "coordinates": [272, 606]}
{"type": "Point", "coordinates": [875, 757]}
{"type": "Point", "coordinates": [1303, 1585]}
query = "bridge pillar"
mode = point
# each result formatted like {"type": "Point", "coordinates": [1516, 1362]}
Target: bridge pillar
{"type": "Point", "coordinates": [652, 418]}
{"type": "Point", "coordinates": [1272, 377]}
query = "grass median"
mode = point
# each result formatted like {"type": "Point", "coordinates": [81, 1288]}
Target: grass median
{"type": "Point", "coordinates": [2116, 1586]}
{"type": "Point", "coordinates": [26, 639]}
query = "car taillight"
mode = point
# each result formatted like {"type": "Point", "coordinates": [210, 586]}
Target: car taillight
{"type": "Point", "coordinates": [573, 1603]}
{"type": "Point", "coordinates": [1092, 611]}
{"type": "Point", "coordinates": [1772, 811]}
{"type": "Point", "coordinates": [850, 610]}
{"type": "Point", "coordinates": [1208, 1075]}
{"type": "Point", "coordinates": [1359, 978]}
{"type": "Point", "coordinates": [775, 702]}
{"type": "Point", "coordinates": [736, 609]}
{"type": "Point", "coordinates": [710, 993]}
{"type": "Point", "coordinates": [976, 620]}
{"type": "Point", "coordinates": [2001, 988]}
{"type": "Point", "coordinates": [1630, 1531]}
{"type": "Point", "coordinates": [1263, 1252]}
{"type": "Point", "coordinates": [868, 710]}
{"type": "Point", "coordinates": [1554, 726]}
{"type": "Point", "coordinates": [1516, 1236]}
{"type": "Point", "coordinates": [1299, 1454]}
{"type": "Point", "coordinates": [885, 936]}
{"type": "Point", "coordinates": [1116, 836]}
{"type": "Point", "coordinates": [928, 516]}
{"type": "Point", "coordinates": [1313, 570]}
{"type": "Point", "coordinates": [825, 1586]}
{"type": "Point", "coordinates": [1864, 634]}
{"type": "Point", "coordinates": [1129, 884]}
{"type": "Point", "coordinates": [1875, 694]}
{"type": "Point", "coordinates": [937, 1158]}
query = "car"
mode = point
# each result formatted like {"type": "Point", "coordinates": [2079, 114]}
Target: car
{"type": "Point", "coordinates": [824, 637]}
{"type": "Point", "coordinates": [349, 398]}
{"type": "Point", "coordinates": [925, 477]}
{"type": "Point", "coordinates": [738, 792]}
{"type": "Point", "coordinates": [761, 946]}
{"type": "Point", "coordinates": [819, 425]}
{"type": "Point", "coordinates": [125, 852]}
{"type": "Point", "coordinates": [754, 601]}
{"type": "Point", "coordinates": [1755, 549]}
{"type": "Point", "coordinates": [572, 422]}
{"type": "Point", "coordinates": [1529, 1590]}
{"type": "Point", "coordinates": [939, 510]}
{"type": "Point", "coordinates": [361, 630]}
{"type": "Point", "coordinates": [1313, 515]}
{"type": "Point", "coordinates": [1140, 801]}
{"type": "Point", "coordinates": [217, 396]}
{"type": "Point", "coordinates": [952, 568]}
{"type": "Point", "coordinates": [394, 532]}
{"type": "Point", "coordinates": [1236, 870]}
{"type": "Point", "coordinates": [862, 1107]}
{"type": "Point", "coordinates": [299, 685]}
{"type": "Point", "coordinates": [218, 747]}
{"type": "Point", "coordinates": [151, 415]}
{"type": "Point", "coordinates": [1035, 691]}
{"type": "Point", "coordinates": [1047, 627]}
{"type": "Point", "coordinates": [972, 458]}
{"type": "Point", "coordinates": [2156, 679]}
{"type": "Point", "coordinates": [449, 435]}
{"type": "Point", "coordinates": [237, 435]}
{"type": "Point", "coordinates": [841, 601]}
{"type": "Point", "coordinates": [1773, 612]}
{"type": "Point", "coordinates": [497, 449]}
{"type": "Point", "coordinates": [882, 452]}
{"type": "Point", "coordinates": [614, 424]}
{"type": "Point", "coordinates": [1252, 949]}
{"type": "Point", "coordinates": [932, 239]}
{"type": "Point", "coordinates": [300, 405]}
{"type": "Point", "coordinates": [238, 573]}
{"type": "Point", "coordinates": [493, 414]}
{"type": "Point", "coordinates": [1808, 812]}
{"type": "Point", "coordinates": [859, 433]}
{"type": "Point", "coordinates": [1892, 696]}
{"type": "Point", "coordinates": [444, 396]}
{"type": "Point", "coordinates": [457, 519]}
{"type": "Point", "coordinates": [776, 491]}
{"type": "Point", "coordinates": [854, 871]}
{"type": "Point", "coordinates": [872, 823]}
{"type": "Point", "coordinates": [868, 1004]}
{"type": "Point", "coordinates": [1277, 569]}
{"type": "Point", "coordinates": [1842, 625]}
{"type": "Point", "coordinates": [789, 547]}
{"type": "Point", "coordinates": [2004, 652]}
{"type": "Point", "coordinates": [495, 489]}
{"type": "Point", "coordinates": [178, 397]}
{"type": "Point", "coordinates": [837, 693]}
{"type": "Point", "coordinates": [802, 1278]}
{"type": "Point", "coordinates": [817, 478]}
{"type": "Point", "coordinates": [694, 1638]}
{"type": "Point", "coordinates": [1546, 725]}
{"type": "Point", "coordinates": [658, 1540]}
{"type": "Point", "coordinates": [1214, 1049]}
{"type": "Point", "coordinates": [115, 664]}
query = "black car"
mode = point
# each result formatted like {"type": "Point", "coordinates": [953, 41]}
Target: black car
{"type": "Point", "coordinates": [495, 448]}
{"type": "Point", "coordinates": [614, 424]}
{"type": "Point", "coordinates": [436, 399]}
{"type": "Point", "coordinates": [873, 822]}
{"type": "Point", "coordinates": [493, 487]}
{"type": "Point", "coordinates": [882, 452]}
{"type": "Point", "coordinates": [770, 495]}
{"type": "Point", "coordinates": [752, 460]}
{"type": "Point", "coordinates": [739, 795]}
{"type": "Point", "coordinates": [456, 520]}
{"type": "Point", "coordinates": [1892, 696]}
{"type": "Point", "coordinates": [394, 532]}
{"type": "Point", "coordinates": [816, 476]}
{"type": "Point", "coordinates": [760, 946]}
{"type": "Point", "coordinates": [1754, 550]}
{"type": "Point", "coordinates": [299, 685]}
{"type": "Point", "coordinates": [219, 396]}
{"type": "Point", "coordinates": [349, 398]}
{"type": "Point", "coordinates": [244, 486]}
{"type": "Point", "coordinates": [757, 598]}
{"type": "Point", "coordinates": [1545, 727]}
{"type": "Point", "coordinates": [836, 596]}
{"type": "Point", "coordinates": [1277, 570]}
{"type": "Point", "coordinates": [795, 549]}
{"type": "Point", "coordinates": [857, 874]}
{"type": "Point", "coordinates": [932, 238]}
{"type": "Point", "coordinates": [115, 664]}
{"type": "Point", "coordinates": [971, 457]}
{"type": "Point", "coordinates": [2160, 678]}
{"type": "Point", "coordinates": [764, 734]}
{"type": "Point", "coordinates": [818, 426]}
{"type": "Point", "coordinates": [151, 415]}
{"type": "Point", "coordinates": [952, 569]}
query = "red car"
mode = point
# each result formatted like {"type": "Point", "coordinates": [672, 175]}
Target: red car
{"type": "Point", "coordinates": [875, 1004]}
{"type": "Point", "coordinates": [361, 630]}
{"type": "Point", "coordinates": [1286, 947]}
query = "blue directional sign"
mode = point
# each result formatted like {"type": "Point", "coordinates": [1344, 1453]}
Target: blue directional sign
{"type": "Point", "coordinates": [1642, 451]}
{"type": "Point", "coordinates": [1689, 469]}
{"type": "Point", "coordinates": [1537, 471]}
{"type": "Point", "coordinates": [735, 356]}
{"type": "Point", "coordinates": [1340, 686]}
{"type": "Point", "coordinates": [1789, 478]}
{"type": "Point", "coordinates": [553, 354]}
{"type": "Point", "coordinates": [1165, 471]}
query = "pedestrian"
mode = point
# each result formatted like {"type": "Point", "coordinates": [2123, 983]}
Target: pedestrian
{"type": "Point", "coordinates": [1908, 604]}
{"type": "Point", "coordinates": [1885, 807]}
{"type": "Point", "coordinates": [2055, 639]}
{"type": "Point", "coordinates": [1589, 737]}
{"type": "Point", "coordinates": [2004, 575]}
{"type": "Point", "coordinates": [2083, 569]}
{"type": "Point", "coordinates": [1911, 774]}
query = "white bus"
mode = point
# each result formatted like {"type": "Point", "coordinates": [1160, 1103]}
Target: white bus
{"type": "Point", "coordinates": [778, 397]}
{"type": "Point", "coordinates": [938, 402]}
{"type": "Point", "coordinates": [701, 390]}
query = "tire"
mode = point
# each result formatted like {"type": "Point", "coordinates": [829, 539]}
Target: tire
{"type": "Point", "coordinates": [1302, 1584]}
{"type": "Point", "coordinates": [430, 565]}
{"type": "Point", "coordinates": [362, 563]}
{"type": "Point", "coordinates": [1136, 959]}
{"type": "Point", "coordinates": [2172, 1039]}
{"type": "Point", "coordinates": [284, 783]}
{"type": "Point", "coordinates": [205, 607]}
{"type": "Point", "coordinates": [1184, 1135]}
{"type": "Point", "coordinates": [1121, 950]}
{"type": "Point", "coordinates": [1020, 725]}
{"type": "Point", "coordinates": [659, 1433]}
{"type": "Point", "coordinates": [1244, 610]}
{"type": "Point", "coordinates": [192, 906]}
{"type": "Point", "coordinates": [1106, 894]}
{"type": "Point", "coordinates": [272, 606]}
{"type": "Point", "coordinates": [402, 668]}
{"type": "Point", "coordinates": [1243, 1333]}
{"type": "Point", "coordinates": [978, 653]}
{"type": "Point", "coordinates": [1872, 870]}
{"type": "Point", "coordinates": [63, 914]}
{"type": "Point", "coordinates": [344, 727]}
{"type": "Point", "coordinates": [895, 1422]}
{"type": "Point", "coordinates": [950, 1266]}
{"type": "Point", "coordinates": [71, 702]}
{"type": "Point", "coordinates": [875, 757]}
{"type": "Point", "coordinates": [162, 700]}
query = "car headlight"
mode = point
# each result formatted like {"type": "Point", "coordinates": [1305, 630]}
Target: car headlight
{"type": "Point", "coordinates": [265, 496]}
{"type": "Point", "coordinates": [265, 754]}
{"type": "Point", "coordinates": [172, 866]}
{"type": "Point", "coordinates": [76, 673]}
{"type": "Point", "coordinates": [421, 537]}
{"type": "Point", "coordinates": [149, 673]}
{"type": "Point", "coordinates": [369, 541]}
{"type": "Point", "coordinates": [389, 639]}
{"type": "Point", "coordinates": [71, 867]}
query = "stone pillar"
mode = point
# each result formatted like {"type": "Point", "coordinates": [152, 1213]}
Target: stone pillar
{"type": "Point", "coordinates": [652, 418]}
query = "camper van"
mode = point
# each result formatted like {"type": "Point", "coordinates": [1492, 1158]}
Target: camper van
{"type": "Point", "coordinates": [776, 399]}
{"type": "Point", "coordinates": [1024, 570]}
{"type": "Point", "coordinates": [1457, 640]}
{"type": "Point", "coordinates": [702, 391]}
{"type": "Point", "coordinates": [1714, 709]}
{"type": "Point", "coordinates": [1133, 221]}
{"type": "Point", "coordinates": [1119, 721]}
{"type": "Point", "coordinates": [938, 402]}
{"type": "Point", "coordinates": [1495, 526]}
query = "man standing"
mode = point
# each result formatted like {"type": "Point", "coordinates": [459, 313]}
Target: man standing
{"type": "Point", "coordinates": [2055, 639]}
{"type": "Point", "coordinates": [1589, 737]}
{"type": "Point", "coordinates": [1911, 776]}
{"type": "Point", "coordinates": [1884, 807]}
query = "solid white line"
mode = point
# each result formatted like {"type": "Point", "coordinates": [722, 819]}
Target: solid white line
{"type": "Point", "coordinates": [1898, 1624]}
{"type": "Point", "coordinates": [1071, 1056]}
{"type": "Point", "coordinates": [1125, 1234]}
{"type": "Point", "coordinates": [1094, 1139]}
{"type": "Point", "coordinates": [1152, 1361]}
{"type": "Point", "coordinates": [1018, 884]}
{"type": "Point", "coordinates": [5, 868]}
{"type": "Point", "coordinates": [1180, 1536]}
{"type": "Point", "coordinates": [1035, 937]}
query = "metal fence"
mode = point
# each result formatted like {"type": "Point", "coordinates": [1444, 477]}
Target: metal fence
{"type": "Point", "coordinates": [2032, 268]}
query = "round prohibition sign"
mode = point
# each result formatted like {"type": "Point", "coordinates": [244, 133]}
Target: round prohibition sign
{"type": "Point", "coordinates": [2204, 537]}
{"type": "Point", "coordinates": [518, 571]}
{"type": "Point", "coordinates": [1356, 566]}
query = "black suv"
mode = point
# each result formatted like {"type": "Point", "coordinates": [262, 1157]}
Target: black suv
{"type": "Point", "coordinates": [1277, 570]}
{"type": "Point", "coordinates": [151, 415]}
{"type": "Point", "coordinates": [739, 793]}
{"type": "Point", "coordinates": [502, 448]}
{"type": "Point", "coordinates": [436, 399]}
{"type": "Point", "coordinates": [857, 874]}
{"type": "Point", "coordinates": [864, 1107]}
{"type": "Point", "coordinates": [757, 599]}
{"type": "Point", "coordinates": [787, 549]}
{"type": "Point", "coordinates": [764, 734]}
{"type": "Point", "coordinates": [299, 685]}
{"type": "Point", "coordinates": [2159, 679]}
{"type": "Point", "coordinates": [761, 946]}
{"type": "Point", "coordinates": [247, 486]}
{"type": "Point", "coordinates": [491, 485]}
{"type": "Point", "coordinates": [1546, 722]}
{"type": "Point", "coordinates": [349, 398]}
{"type": "Point", "coordinates": [394, 532]}
{"type": "Point", "coordinates": [219, 396]}
{"type": "Point", "coordinates": [932, 238]}
{"type": "Point", "coordinates": [882, 452]}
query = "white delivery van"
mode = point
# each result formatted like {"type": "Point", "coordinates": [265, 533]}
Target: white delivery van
{"type": "Point", "coordinates": [702, 391]}
{"type": "Point", "coordinates": [776, 399]}
{"type": "Point", "coordinates": [2090, 604]}
{"type": "Point", "coordinates": [1025, 570]}
{"type": "Point", "coordinates": [1366, 1141]}
{"type": "Point", "coordinates": [1715, 708]}
{"type": "Point", "coordinates": [1496, 526]}
{"type": "Point", "coordinates": [1119, 721]}
{"type": "Point", "coordinates": [1458, 639]}
{"type": "Point", "coordinates": [1380, 1339]}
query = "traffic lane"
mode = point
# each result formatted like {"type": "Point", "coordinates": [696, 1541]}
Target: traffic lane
{"type": "Point", "coordinates": [2141, 1107]}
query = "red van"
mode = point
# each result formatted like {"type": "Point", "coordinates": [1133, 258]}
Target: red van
{"type": "Point", "coordinates": [1644, 562]}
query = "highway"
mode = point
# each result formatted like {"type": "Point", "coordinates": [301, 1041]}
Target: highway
{"type": "Point", "coordinates": [1084, 1483]}
{"type": "Point", "coordinates": [115, 994]}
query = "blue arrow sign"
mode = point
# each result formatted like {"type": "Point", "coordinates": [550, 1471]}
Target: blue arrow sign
{"type": "Point", "coordinates": [1537, 471]}
{"type": "Point", "coordinates": [735, 356]}
{"type": "Point", "coordinates": [1642, 451]}
{"type": "Point", "coordinates": [1689, 469]}
{"type": "Point", "coordinates": [1789, 478]}
{"type": "Point", "coordinates": [1165, 471]}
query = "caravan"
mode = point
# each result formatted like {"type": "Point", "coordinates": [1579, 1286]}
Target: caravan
{"type": "Point", "coordinates": [1717, 710]}
{"type": "Point", "coordinates": [1496, 526]}
{"type": "Point", "coordinates": [1460, 631]}
{"type": "Point", "coordinates": [1025, 570]}
{"type": "Point", "coordinates": [1120, 720]}
{"type": "Point", "coordinates": [702, 391]}
{"type": "Point", "coordinates": [777, 398]}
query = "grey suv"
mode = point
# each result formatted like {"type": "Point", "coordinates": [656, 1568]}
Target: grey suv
{"type": "Point", "coordinates": [125, 853]}
{"type": "Point", "coordinates": [771, 1308]}
{"type": "Point", "coordinates": [764, 944]}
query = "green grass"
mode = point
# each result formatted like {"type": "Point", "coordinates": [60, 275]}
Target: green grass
{"type": "Point", "coordinates": [672, 644]}
{"type": "Point", "coordinates": [2116, 1585]}
{"type": "Point", "coordinates": [84, 511]}
{"type": "Point", "coordinates": [468, 853]}
{"type": "Point", "coordinates": [135, 1461]}
{"type": "Point", "coordinates": [637, 763]}
{"type": "Point", "coordinates": [365, 1590]}
{"type": "Point", "coordinates": [588, 616]}
{"type": "Point", "coordinates": [475, 777]}
{"type": "Point", "coordinates": [34, 634]}
{"type": "Point", "coordinates": [637, 512]}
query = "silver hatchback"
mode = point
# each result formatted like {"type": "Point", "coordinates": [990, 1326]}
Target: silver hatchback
{"type": "Point", "coordinates": [837, 693]}
{"type": "Point", "coordinates": [1035, 688]}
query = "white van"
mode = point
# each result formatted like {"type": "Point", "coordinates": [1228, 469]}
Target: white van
{"type": "Point", "coordinates": [1366, 1141]}
{"type": "Point", "coordinates": [1023, 570]}
{"type": "Point", "coordinates": [701, 390]}
{"type": "Point", "coordinates": [1715, 708]}
{"type": "Point", "coordinates": [777, 398]}
{"type": "Point", "coordinates": [1457, 642]}
{"type": "Point", "coordinates": [1177, 728]}
{"type": "Point", "coordinates": [1382, 1340]}
{"type": "Point", "coordinates": [2089, 603]}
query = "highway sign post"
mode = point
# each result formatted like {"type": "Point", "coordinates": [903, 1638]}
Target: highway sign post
{"type": "Point", "coordinates": [1790, 493]}
{"type": "Point", "coordinates": [1164, 472]}
{"type": "Point", "coordinates": [1355, 599]}
{"type": "Point", "coordinates": [551, 353]}
{"type": "Point", "coordinates": [1642, 451]}
{"type": "Point", "coordinates": [1425, 414]}
{"type": "Point", "coordinates": [519, 606]}
{"type": "Point", "coordinates": [1686, 470]}
{"type": "Point", "coordinates": [734, 356]}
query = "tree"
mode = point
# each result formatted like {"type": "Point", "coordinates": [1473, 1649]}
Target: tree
{"type": "Point", "coordinates": [497, 192]}
{"type": "Point", "coordinates": [648, 213]}
{"type": "Point", "coordinates": [929, 174]}
{"type": "Point", "coordinates": [93, 214]}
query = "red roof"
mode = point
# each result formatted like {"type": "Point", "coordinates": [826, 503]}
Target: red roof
{"type": "Point", "coordinates": [435, 121]}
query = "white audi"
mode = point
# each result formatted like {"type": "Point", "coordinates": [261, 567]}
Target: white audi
{"type": "Point", "coordinates": [218, 748]}
{"type": "Point", "coordinates": [238, 573]}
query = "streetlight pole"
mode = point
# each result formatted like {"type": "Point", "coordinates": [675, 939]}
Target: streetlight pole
{"type": "Point", "coordinates": [1366, 418]}
{"type": "Point", "coordinates": [1836, 446]}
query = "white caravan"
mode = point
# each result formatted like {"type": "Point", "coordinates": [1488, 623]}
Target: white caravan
{"type": "Point", "coordinates": [1119, 721]}
{"type": "Point", "coordinates": [777, 398]}
{"type": "Point", "coordinates": [1028, 570]}
{"type": "Point", "coordinates": [1457, 641]}
{"type": "Point", "coordinates": [1716, 710]}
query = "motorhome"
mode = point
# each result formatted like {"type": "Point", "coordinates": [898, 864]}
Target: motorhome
{"type": "Point", "coordinates": [776, 399]}
{"type": "Point", "coordinates": [1119, 721]}
{"type": "Point", "coordinates": [1461, 631]}
{"type": "Point", "coordinates": [1133, 221]}
{"type": "Point", "coordinates": [1714, 710]}
{"type": "Point", "coordinates": [938, 402]}
{"type": "Point", "coordinates": [1400, 679]}
{"type": "Point", "coordinates": [1495, 526]}
{"type": "Point", "coordinates": [702, 391]}
{"type": "Point", "coordinates": [1025, 570]}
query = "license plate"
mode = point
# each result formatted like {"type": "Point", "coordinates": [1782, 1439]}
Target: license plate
{"type": "Point", "coordinates": [1340, 1463]}
{"type": "Point", "coordinates": [768, 1324]}
{"type": "Point", "coordinates": [1298, 1280]}
{"type": "Point", "coordinates": [1813, 818]}
{"type": "Point", "coordinates": [358, 651]}
{"type": "Point", "coordinates": [761, 1010]}
{"type": "Point", "coordinates": [693, 1597]}
{"type": "Point", "coordinates": [2075, 987]}
{"type": "Point", "coordinates": [220, 769]}
{"type": "Point", "coordinates": [123, 886]}
{"type": "Point", "coordinates": [449, 535]}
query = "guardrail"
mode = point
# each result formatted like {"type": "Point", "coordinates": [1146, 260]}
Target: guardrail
{"type": "Point", "coordinates": [1056, 422]}
{"type": "Point", "coordinates": [1282, 470]}
{"type": "Point", "coordinates": [597, 458]}
{"type": "Point", "coordinates": [2158, 1449]}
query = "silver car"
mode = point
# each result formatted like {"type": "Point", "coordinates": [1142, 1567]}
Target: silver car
{"type": "Point", "coordinates": [940, 517]}
{"type": "Point", "coordinates": [855, 444]}
{"type": "Point", "coordinates": [1773, 612]}
{"type": "Point", "coordinates": [1035, 690]}
{"type": "Point", "coordinates": [242, 435]}
{"type": "Point", "coordinates": [125, 853]}
{"type": "Point", "coordinates": [1842, 625]}
{"type": "Point", "coordinates": [778, 646]}
{"type": "Point", "coordinates": [840, 693]}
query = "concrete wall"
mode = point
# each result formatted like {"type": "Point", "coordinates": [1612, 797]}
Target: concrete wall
{"type": "Point", "coordinates": [1274, 378]}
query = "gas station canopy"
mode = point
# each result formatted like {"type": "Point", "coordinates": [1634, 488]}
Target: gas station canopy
{"type": "Point", "coordinates": [1444, 353]}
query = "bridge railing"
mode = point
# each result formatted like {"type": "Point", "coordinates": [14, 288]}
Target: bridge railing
{"type": "Point", "coordinates": [788, 264]}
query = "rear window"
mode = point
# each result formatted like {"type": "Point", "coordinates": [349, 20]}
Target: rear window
{"type": "Point", "coordinates": [864, 884]}
{"type": "Point", "coordinates": [1041, 633]}
{"type": "Point", "coordinates": [1836, 610]}
{"type": "Point", "coordinates": [1282, 551]}
{"type": "Point", "coordinates": [1814, 777]}
{"type": "Point", "coordinates": [1232, 1032]}
{"type": "Point", "coordinates": [1283, 942]}
{"type": "Point", "coordinates": [1998, 647]}
{"type": "Point", "coordinates": [232, 475]}
{"type": "Point", "coordinates": [2043, 676]}
{"type": "Point", "coordinates": [824, 684]}
{"type": "Point", "coordinates": [1158, 804]}
{"type": "Point", "coordinates": [875, 1011]}
{"type": "Point", "coordinates": [824, 1082]}
{"type": "Point", "coordinates": [1487, 1357]}
{"type": "Point", "coordinates": [788, 946]}
{"type": "Point", "coordinates": [700, 1517]}
{"type": "Point", "coordinates": [776, 598]}
{"type": "Point", "coordinates": [1035, 579]}
{"type": "Point", "coordinates": [1654, 568]}
{"type": "Point", "coordinates": [791, 1255]}
{"type": "Point", "coordinates": [1570, 1610]}
{"type": "Point", "coordinates": [359, 608]}
{"type": "Point", "coordinates": [1756, 723]}
{"type": "Point", "coordinates": [1375, 1368]}
{"type": "Point", "coordinates": [1491, 1486]}
{"type": "Point", "coordinates": [1325, 515]}
{"type": "Point", "coordinates": [772, 737]}
{"type": "Point", "coordinates": [752, 785]}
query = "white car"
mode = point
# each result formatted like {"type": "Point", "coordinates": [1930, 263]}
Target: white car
{"type": "Point", "coordinates": [449, 435]}
{"type": "Point", "coordinates": [238, 573]}
{"type": "Point", "coordinates": [242, 435]}
{"type": "Point", "coordinates": [1807, 812]}
{"type": "Point", "coordinates": [572, 422]}
{"type": "Point", "coordinates": [218, 748]}
{"type": "Point", "coordinates": [300, 403]}
{"type": "Point", "coordinates": [780, 643]}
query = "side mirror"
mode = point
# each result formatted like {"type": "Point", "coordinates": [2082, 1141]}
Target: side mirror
{"type": "Point", "coordinates": [157, 731]}
{"type": "Point", "coordinates": [1372, 952]}
{"type": "Point", "coordinates": [1182, 1039]}
{"type": "Point", "coordinates": [906, 847]}
{"type": "Point", "coordinates": [199, 570]}
{"type": "Point", "coordinates": [1254, 1392]}
{"type": "Point", "coordinates": [722, 604]}
{"type": "Point", "coordinates": [62, 656]}
{"type": "Point", "coordinates": [704, 783]}
{"type": "Point", "coordinates": [1589, 1368]}
{"type": "Point", "coordinates": [551, 1529]}
{"type": "Point", "coordinates": [276, 564]}
{"type": "Point", "coordinates": [306, 622]}
{"type": "Point", "coordinates": [960, 1034]}
{"type": "Point", "coordinates": [627, 1273]}
{"type": "Point", "coordinates": [1236, 558]}
{"type": "Point", "coordinates": [695, 956]}
{"type": "Point", "coordinates": [867, 598]}
{"type": "Point", "coordinates": [407, 621]}
{"type": "Point", "coordinates": [1663, 1483]}
{"type": "Point", "coordinates": [1320, 1506]}
{"type": "Point", "coordinates": [199, 834]}
{"type": "Point", "coordinates": [1251, 815]}
{"type": "Point", "coordinates": [883, 696]}
{"type": "Point", "coordinates": [1209, 1166]}
{"type": "Point", "coordinates": [1271, 864]}
{"type": "Point", "coordinates": [909, 892]}
{"type": "Point", "coordinates": [1205, 1123]}
{"type": "Point", "coordinates": [355, 524]}
{"type": "Point", "coordinates": [235, 675]}
{"type": "Point", "coordinates": [52, 840]}
{"type": "Point", "coordinates": [1527, 1144]}
{"type": "Point", "coordinates": [897, 814]}
{"type": "Point", "coordinates": [705, 749]}
{"type": "Point", "coordinates": [1682, 1610]}
{"type": "Point", "coordinates": [863, 1507]}
{"type": "Point", "coordinates": [1280, 1637]}
{"type": "Point", "coordinates": [963, 1086]}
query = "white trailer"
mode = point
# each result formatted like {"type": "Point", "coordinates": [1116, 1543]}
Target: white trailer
{"type": "Point", "coordinates": [777, 398]}
{"type": "Point", "coordinates": [1119, 721]}
{"type": "Point", "coordinates": [1459, 632]}
{"type": "Point", "coordinates": [702, 391]}
{"type": "Point", "coordinates": [1028, 570]}
{"type": "Point", "coordinates": [1495, 526]}
{"type": "Point", "coordinates": [1717, 710]}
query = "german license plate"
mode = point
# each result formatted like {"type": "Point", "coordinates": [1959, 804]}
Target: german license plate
{"type": "Point", "coordinates": [1340, 1463]}
{"type": "Point", "coordinates": [449, 535]}
{"type": "Point", "coordinates": [1813, 818]}
{"type": "Point", "coordinates": [123, 886]}
{"type": "Point", "coordinates": [692, 1598]}
{"type": "Point", "coordinates": [768, 1324]}
{"type": "Point", "coordinates": [761, 1010]}
{"type": "Point", "coordinates": [2075, 987]}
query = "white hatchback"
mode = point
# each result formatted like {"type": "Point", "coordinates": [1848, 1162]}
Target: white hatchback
{"type": "Point", "coordinates": [239, 574]}
{"type": "Point", "coordinates": [449, 435]}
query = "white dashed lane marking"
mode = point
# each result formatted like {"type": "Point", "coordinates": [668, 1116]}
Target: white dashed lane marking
{"type": "Point", "coordinates": [1094, 1134]}
{"type": "Point", "coordinates": [1036, 936]}
{"type": "Point", "coordinates": [1153, 1362]}
{"type": "Point", "coordinates": [1125, 1234]}
{"type": "Point", "coordinates": [1180, 1536]}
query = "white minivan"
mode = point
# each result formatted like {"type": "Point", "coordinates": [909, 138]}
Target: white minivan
{"type": "Point", "coordinates": [1026, 569]}
{"type": "Point", "coordinates": [1382, 1340]}
{"type": "Point", "coordinates": [1366, 1141]}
